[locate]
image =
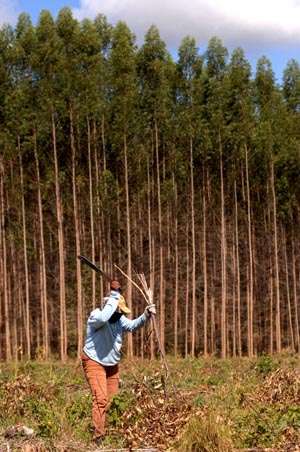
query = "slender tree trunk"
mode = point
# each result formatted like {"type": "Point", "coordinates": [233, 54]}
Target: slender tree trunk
{"type": "Point", "coordinates": [128, 229]}
{"type": "Point", "coordinates": [150, 240]}
{"type": "Point", "coordinates": [288, 297]}
{"type": "Point", "coordinates": [27, 328]}
{"type": "Point", "coordinates": [20, 316]}
{"type": "Point", "coordinates": [212, 310]}
{"type": "Point", "coordinates": [277, 287]}
{"type": "Point", "coordinates": [105, 227]}
{"type": "Point", "coordinates": [295, 298]}
{"type": "Point", "coordinates": [271, 278]}
{"type": "Point", "coordinates": [44, 294]}
{"type": "Point", "coordinates": [234, 342]}
{"type": "Point", "coordinates": [238, 275]}
{"type": "Point", "coordinates": [91, 212]}
{"type": "Point", "coordinates": [223, 260]}
{"type": "Point", "coordinates": [161, 257]}
{"type": "Point", "coordinates": [176, 270]}
{"type": "Point", "coordinates": [271, 289]}
{"type": "Point", "coordinates": [12, 302]}
{"type": "Point", "coordinates": [119, 224]}
{"type": "Point", "coordinates": [251, 294]}
{"type": "Point", "coordinates": [99, 216]}
{"type": "Point", "coordinates": [59, 214]}
{"type": "Point", "coordinates": [205, 284]}
{"type": "Point", "coordinates": [193, 338]}
{"type": "Point", "coordinates": [152, 286]}
{"type": "Point", "coordinates": [187, 292]}
{"type": "Point", "coordinates": [77, 241]}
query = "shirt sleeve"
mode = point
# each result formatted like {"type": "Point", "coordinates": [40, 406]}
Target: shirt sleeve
{"type": "Point", "coordinates": [132, 325]}
{"type": "Point", "coordinates": [99, 317]}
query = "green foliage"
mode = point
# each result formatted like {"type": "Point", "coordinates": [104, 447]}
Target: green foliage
{"type": "Point", "coordinates": [78, 409]}
{"type": "Point", "coordinates": [265, 364]}
{"type": "Point", "coordinates": [199, 401]}
{"type": "Point", "coordinates": [263, 425]}
{"type": "Point", "coordinates": [44, 416]}
{"type": "Point", "coordinates": [291, 85]}
{"type": "Point", "coordinates": [216, 56]}
{"type": "Point", "coordinates": [119, 404]}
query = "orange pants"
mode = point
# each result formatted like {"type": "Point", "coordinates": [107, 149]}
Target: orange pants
{"type": "Point", "coordinates": [104, 383]}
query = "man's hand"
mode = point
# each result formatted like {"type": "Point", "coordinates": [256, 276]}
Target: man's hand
{"type": "Point", "coordinates": [150, 310]}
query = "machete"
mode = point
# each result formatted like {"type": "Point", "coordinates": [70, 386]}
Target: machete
{"type": "Point", "coordinates": [86, 261]}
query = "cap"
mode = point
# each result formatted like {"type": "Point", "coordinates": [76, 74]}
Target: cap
{"type": "Point", "coordinates": [122, 306]}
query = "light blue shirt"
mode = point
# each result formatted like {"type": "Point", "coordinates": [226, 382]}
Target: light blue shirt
{"type": "Point", "coordinates": [103, 341]}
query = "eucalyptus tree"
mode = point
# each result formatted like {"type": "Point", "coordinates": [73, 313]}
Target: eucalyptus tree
{"type": "Point", "coordinates": [240, 126]}
{"type": "Point", "coordinates": [189, 67]}
{"type": "Point", "coordinates": [214, 91]}
{"type": "Point", "coordinates": [7, 40]}
{"type": "Point", "coordinates": [123, 83]}
{"type": "Point", "coordinates": [19, 122]}
{"type": "Point", "coordinates": [69, 32]}
{"type": "Point", "coordinates": [47, 67]}
{"type": "Point", "coordinates": [271, 138]}
{"type": "Point", "coordinates": [154, 70]}
{"type": "Point", "coordinates": [291, 85]}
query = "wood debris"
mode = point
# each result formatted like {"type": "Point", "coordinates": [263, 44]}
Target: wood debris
{"type": "Point", "coordinates": [154, 420]}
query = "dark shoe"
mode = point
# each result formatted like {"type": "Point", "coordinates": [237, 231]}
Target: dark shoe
{"type": "Point", "coordinates": [98, 441]}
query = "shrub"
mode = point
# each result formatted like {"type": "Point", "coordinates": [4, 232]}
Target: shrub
{"type": "Point", "coordinates": [118, 406]}
{"type": "Point", "coordinates": [265, 365]}
{"type": "Point", "coordinates": [204, 435]}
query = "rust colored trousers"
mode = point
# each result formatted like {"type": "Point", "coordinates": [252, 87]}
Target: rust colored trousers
{"type": "Point", "coordinates": [104, 384]}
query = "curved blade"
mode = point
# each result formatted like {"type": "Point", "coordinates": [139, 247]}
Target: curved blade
{"type": "Point", "coordinates": [86, 261]}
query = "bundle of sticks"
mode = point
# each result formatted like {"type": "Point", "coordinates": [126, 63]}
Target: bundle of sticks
{"type": "Point", "coordinates": [147, 294]}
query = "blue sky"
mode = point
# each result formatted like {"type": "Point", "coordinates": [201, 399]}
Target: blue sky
{"type": "Point", "coordinates": [260, 27]}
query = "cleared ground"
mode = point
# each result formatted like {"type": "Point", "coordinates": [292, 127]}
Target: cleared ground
{"type": "Point", "coordinates": [206, 405]}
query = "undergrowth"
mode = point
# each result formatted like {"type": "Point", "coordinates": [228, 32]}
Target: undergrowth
{"type": "Point", "coordinates": [218, 405]}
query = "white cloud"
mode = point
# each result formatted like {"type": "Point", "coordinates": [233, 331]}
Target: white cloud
{"type": "Point", "coordinates": [249, 23]}
{"type": "Point", "coordinates": [9, 10]}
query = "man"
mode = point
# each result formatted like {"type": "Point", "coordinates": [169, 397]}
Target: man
{"type": "Point", "coordinates": [102, 352]}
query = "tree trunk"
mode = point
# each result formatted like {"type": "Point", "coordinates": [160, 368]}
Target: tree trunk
{"type": "Point", "coordinates": [288, 297]}
{"type": "Point", "coordinates": [161, 257]}
{"type": "Point", "coordinates": [44, 295]}
{"type": "Point", "coordinates": [238, 275]}
{"type": "Point", "coordinates": [193, 336]}
{"type": "Point", "coordinates": [277, 287]}
{"type": "Point", "coordinates": [91, 212]}
{"type": "Point", "coordinates": [187, 292]}
{"type": "Point", "coordinates": [234, 271]}
{"type": "Point", "coordinates": [176, 270]}
{"type": "Point", "coordinates": [128, 229]}
{"type": "Point", "coordinates": [27, 327]}
{"type": "Point", "coordinates": [205, 284]}
{"type": "Point", "coordinates": [251, 294]}
{"type": "Point", "coordinates": [99, 216]}
{"type": "Point", "coordinates": [150, 240]}
{"type": "Point", "coordinates": [59, 215]}
{"type": "Point", "coordinates": [223, 260]}
{"type": "Point", "coordinates": [77, 241]}
{"type": "Point", "coordinates": [295, 297]}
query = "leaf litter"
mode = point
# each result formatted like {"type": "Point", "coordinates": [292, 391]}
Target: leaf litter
{"type": "Point", "coordinates": [157, 417]}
